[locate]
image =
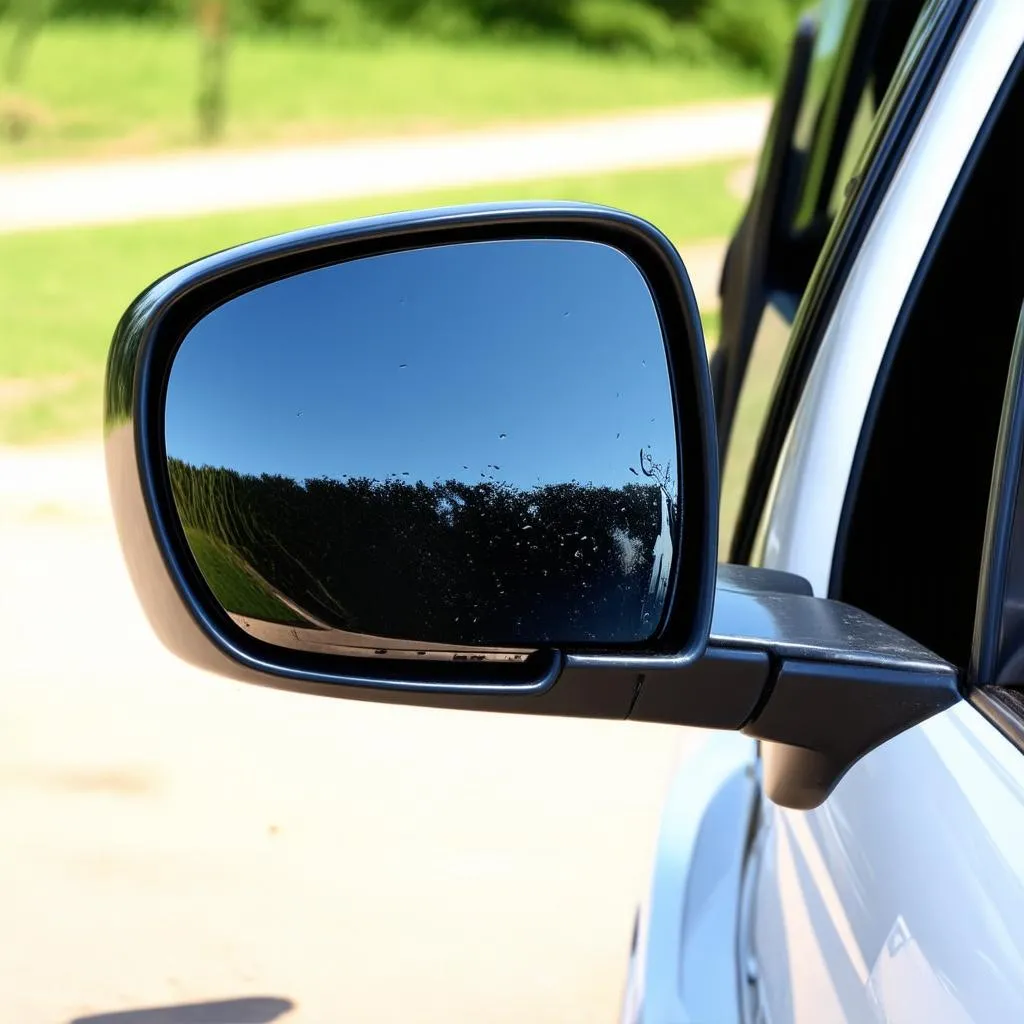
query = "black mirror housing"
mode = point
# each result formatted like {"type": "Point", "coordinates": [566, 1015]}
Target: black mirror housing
{"type": "Point", "coordinates": [143, 352]}
{"type": "Point", "coordinates": [725, 647]}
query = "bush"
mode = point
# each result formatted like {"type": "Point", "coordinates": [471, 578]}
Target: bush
{"type": "Point", "coordinates": [406, 559]}
{"type": "Point", "coordinates": [624, 25]}
{"type": "Point", "coordinates": [753, 33]}
{"type": "Point", "coordinates": [756, 39]}
{"type": "Point", "coordinates": [548, 15]}
{"type": "Point", "coordinates": [445, 20]}
{"type": "Point", "coordinates": [343, 20]}
{"type": "Point", "coordinates": [162, 10]}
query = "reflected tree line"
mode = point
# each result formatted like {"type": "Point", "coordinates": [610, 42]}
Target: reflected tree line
{"type": "Point", "coordinates": [447, 562]}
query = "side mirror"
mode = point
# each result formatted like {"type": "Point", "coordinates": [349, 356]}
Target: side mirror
{"type": "Point", "coordinates": [466, 458]}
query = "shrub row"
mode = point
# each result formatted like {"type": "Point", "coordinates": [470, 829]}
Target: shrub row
{"type": "Point", "coordinates": [749, 32]}
{"type": "Point", "coordinates": [448, 562]}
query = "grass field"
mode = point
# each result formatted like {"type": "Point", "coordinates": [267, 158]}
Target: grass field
{"type": "Point", "coordinates": [233, 585]}
{"type": "Point", "coordinates": [62, 292]}
{"type": "Point", "coordinates": [110, 89]}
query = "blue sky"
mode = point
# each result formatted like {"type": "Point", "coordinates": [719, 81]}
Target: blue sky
{"type": "Point", "coordinates": [527, 361]}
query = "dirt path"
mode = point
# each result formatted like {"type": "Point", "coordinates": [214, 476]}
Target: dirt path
{"type": "Point", "coordinates": [173, 838]}
{"type": "Point", "coordinates": [172, 186]}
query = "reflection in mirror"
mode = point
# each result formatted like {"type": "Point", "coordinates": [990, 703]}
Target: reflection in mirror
{"type": "Point", "coordinates": [464, 451]}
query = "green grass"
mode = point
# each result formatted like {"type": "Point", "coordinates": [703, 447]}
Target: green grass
{"type": "Point", "coordinates": [110, 88]}
{"type": "Point", "coordinates": [62, 292]}
{"type": "Point", "coordinates": [237, 589]}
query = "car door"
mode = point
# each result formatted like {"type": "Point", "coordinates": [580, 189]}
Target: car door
{"type": "Point", "coordinates": [902, 897]}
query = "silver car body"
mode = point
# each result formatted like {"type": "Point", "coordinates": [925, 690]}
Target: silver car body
{"type": "Point", "coordinates": [901, 899]}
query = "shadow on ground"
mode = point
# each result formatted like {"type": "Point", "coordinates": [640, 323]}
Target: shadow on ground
{"type": "Point", "coordinates": [257, 1010]}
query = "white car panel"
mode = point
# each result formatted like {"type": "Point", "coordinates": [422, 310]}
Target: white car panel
{"type": "Point", "coordinates": [683, 967]}
{"type": "Point", "coordinates": [901, 899]}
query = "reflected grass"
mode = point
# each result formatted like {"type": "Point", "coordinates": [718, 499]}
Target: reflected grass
{"type": "Point", "coordinates": [234, 586]}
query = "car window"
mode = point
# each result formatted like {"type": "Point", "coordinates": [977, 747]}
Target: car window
{"type": "Point", "coordinates": [856, 53]}
{"type": "Point", "coordinates": [834, 19]}
{"type": "Point", "coordinates": [858, 47]}
{"type": "Point", "coordinates": [831, 78]}
{"type": "Point", "coordinates": [873, 150]}
{"type": "Point", "coordinates": [860, 129]}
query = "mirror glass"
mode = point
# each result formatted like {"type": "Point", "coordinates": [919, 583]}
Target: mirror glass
{"type": "Point", "coordinates": [459, 451]}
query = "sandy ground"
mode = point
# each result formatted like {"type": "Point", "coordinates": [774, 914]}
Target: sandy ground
{"type": "Point", "coordinates": [194, 183]}
{"type": "Point", "coordinates": [172, 838]}
{"type": "Point", "coordinates": [234, 854]}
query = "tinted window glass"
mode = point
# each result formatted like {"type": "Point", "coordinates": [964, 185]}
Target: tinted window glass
{"type": "Point", "coordinates": [833, 21]}
{"type": "Point", "coordinates": [858, 48]}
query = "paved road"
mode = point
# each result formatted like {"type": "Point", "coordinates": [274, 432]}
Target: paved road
{"type": "Point", "coordinates": [191, 183]}
{"type": "Point", "coordinates": [171, 837]}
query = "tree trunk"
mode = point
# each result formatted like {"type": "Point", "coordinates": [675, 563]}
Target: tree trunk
{"type": "Point", "coordinates": [29, 17]}
{"type": "Point", "coordinates": [213, 39]}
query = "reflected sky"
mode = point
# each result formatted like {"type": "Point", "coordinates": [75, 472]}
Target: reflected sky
{"type": "Point", "coordinates": [528, 362]}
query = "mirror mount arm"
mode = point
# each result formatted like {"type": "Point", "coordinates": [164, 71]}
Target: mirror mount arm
{"type": "Point", "coordinates": [820, 683]}
{"type": "Point", "coordinates": [822, 717]}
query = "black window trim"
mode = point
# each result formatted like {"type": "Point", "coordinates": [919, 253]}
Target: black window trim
{"type": "Point", "coordinates": [1003, 709]}
{"type": "Point", "coordinates": [1001, 536]}
{"type": "Point", "coordinates": [942, 23]}
{"type": "Point", "coordinates": [1002, 705]}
